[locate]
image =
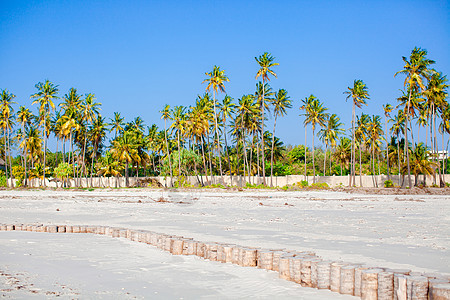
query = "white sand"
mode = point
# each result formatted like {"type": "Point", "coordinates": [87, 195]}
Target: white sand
{"type": "Point", "coordinates": [387, 231]}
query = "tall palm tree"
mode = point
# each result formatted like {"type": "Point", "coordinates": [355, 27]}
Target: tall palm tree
{"type": "Point", "coordinates": [227, 108]}
{"type": "Point", "coordinates": [265, 62]}
{"type": "Point", "coordinates": [306, 107]}
{"type": "Point", "coordinates": [387, 110]}
{"type": "Point", "coordinates": [165, 114]}
{"type": "Point", "coordinates": [117, 124]}
{"type": "Point", "coordinates": [416, 71]}
{"type": "Point", "coordinates": [216, 81]}
{"type": "Point", "coordinates": [178, 117]}
{"type": "Point", "coordinates": [24, 117]}
{"type": "Point", "coordinates": [361, 137]}
{"type": "Point", "coordinates": [359, 94]}
{"type": "Point", "coordinates": [397, 128]}
{"type": "Point", "coordinates": [316, 116]}
{"type": "Point", "coordinates": [342, 152]}
{"type": "Point", "coordinates": [7, 113]}
{"type": "Point", "coordinates": [375, 134]}
{"type": "Point", "coordinates": [89, 112]}
{"type": "Point", "coordinates": [97, 133]}
{"type": "Point", "coordinates": [47, 92]}
{"type": "Point", "coordinates": [280, 103]}
{"type": "Point", "coordinates": [330, 135]}
{"type": "Point", "coordinates": [124, 149]}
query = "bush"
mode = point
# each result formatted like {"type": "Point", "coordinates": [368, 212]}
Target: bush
{"type": "Point", "coordinates": [320, 185]}
{"type": "Point", "coordinates": [19, 173]}
{"type": "Point", "coordinates": [3, 180]}
{"type": "Point", "coordinates": [388, 184]}
{"type": "Point", "coordinates": [302, 184]}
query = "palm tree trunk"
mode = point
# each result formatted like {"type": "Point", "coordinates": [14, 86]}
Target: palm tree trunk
{"type": "Point", "coordinates": [305, 150]}
{"type": "Point", "coordinates": [210, 160]}
{"type": "Point", "coordinates": [45, 146]}
{"type": "Point", "coordinates": [443, 158]}
{"type": "Point", "coordinates": [217, 134]}
{"type": "Point", "coordinates": [271, 155]}
{"type": "Point", "coordinates": [406, 139]}
{"type": "Point", "coordinates": [258, 161]}
{"type": "Point", "coordinates": [226, 148]}
{"type": "Point", "coordinates": [263, 161]}
{"type": "Point", "coordinates": [73, 158]}
{"type": "Point", "coordinates": [325, 161]}
{"type": "Point", "coordinates": [437, 152]}
{"type": "Point", "coordinates": [351, 179]}
{"type": "Point", "coordinates": [126, 173]}
{"type": "Point", "coordinates": [167, 148]}
{"type": "Point", "coordinates": [179, 156]}
{"type": "Point", "coordinates": [204, 159]}
{"type": "Point", "coordinates": [360, 166]}
{"type": "Point", "coordinates": [84, 155]}
{"type": "Point", "coordinates": [313, 154]}
{"type": "Point", "coordinates": [387, 148]}
{"type": "Point", "coordinates": [92, 162]}
{"type": "Point", "coordinates": [9, 155]}
{"type": "Point", "coordinates": [398, 156]}
{"type": "Point", "coordinates": [6, 158]}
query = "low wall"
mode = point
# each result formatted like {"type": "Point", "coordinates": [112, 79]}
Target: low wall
{"type": "Point", "coordinates": [277, 181]}
{"type": "Point", "coordinates": [304, 268]}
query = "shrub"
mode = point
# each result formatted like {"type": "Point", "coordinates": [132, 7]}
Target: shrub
{"type": "Point", "coordinates": [388, 184]}
{"type": "Point", "coordinates": [3, 180]}
{"type": "Point", "coordinates": [320, 185]}
{"type": "Point", "coordinates": [302, 184]}
{"type": "Point", "coordinates": [19, 173]}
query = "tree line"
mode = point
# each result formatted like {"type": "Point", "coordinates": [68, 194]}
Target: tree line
{"type": "Point", "coordinates": [219, 136]}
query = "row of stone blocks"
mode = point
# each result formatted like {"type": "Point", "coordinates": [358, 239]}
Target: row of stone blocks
{"type": "Point", "coordinates": [304, 268]}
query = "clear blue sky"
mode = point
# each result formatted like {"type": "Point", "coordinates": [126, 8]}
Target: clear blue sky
{"type": "Point", "coordinates": [137, 56]}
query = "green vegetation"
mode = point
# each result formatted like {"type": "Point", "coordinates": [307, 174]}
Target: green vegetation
{"type": "Point", "coordinates": [227, 137]}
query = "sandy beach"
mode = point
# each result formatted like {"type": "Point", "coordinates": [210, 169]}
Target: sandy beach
{"type": "Point", "coordinates": [393, 231]}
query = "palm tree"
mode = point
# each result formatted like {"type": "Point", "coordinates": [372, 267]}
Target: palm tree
{"type": "Point", "coordinates": [165, 114]}
{"type": "Point", "coordinates": [265, 62]}
{"type": "Point", "coordinates": [178, 116]}
{"type": "Point", "coordinates": [264, 96]}
{"type": "Point", "coordinates": [329, 135]}
{"type": "Point", "coordinates": [281, 102]}
{"type": "Point", "coordinates": [342, 152]}
{"type": "Point", "coordinates": [306, 106]}
{"type": "Point", "coordinates": [97, 133]}
{"type": "Point", "coordinates": [227, 107]}
{"type": "Point", "coordinates": [316, 116]}
{"type": "Point", "coordinates": [7, 113]}
{"type": "Point", "coordinates": [420, 163]}
{"type": "Point", "coordinates": [124, 149]}
{"type": "Point", "coordinates": [24, 117]}
{"type": "Point", "coordinates": [110, 166]}
{"type": "Point", "coordinates": [436, 94]}
{"type": "Point", "coordinates": [375, 133]}
{"type": "Point", "coordinates": [89, 112]}
{"type": "Point", "coordinates": [117, 124]}
{"type": "Point", "coordinates": [416, 71]}
{"type": "Point", "coordinates": [47, 92]}
{"type": "Point", "coordinates": [359, 94]}
{"type": "Point", "coordinates": [398, 127]}
{"type": "Point", "coordinates": [361, 137]}
{"type": "Point", "coordinates": [216, 80]}
{"type": "Point", "coordinates": [387, 110]}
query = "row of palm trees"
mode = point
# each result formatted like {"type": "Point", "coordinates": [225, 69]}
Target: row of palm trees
{"type": "Point", "coordinates": [226, 138]}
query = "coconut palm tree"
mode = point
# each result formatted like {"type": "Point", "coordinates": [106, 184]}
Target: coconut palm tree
{"type": "Point", "coordinates": [216, 80]}
{"type": "Point", "coordinates": [124, 149]}
{"type": "Point", "coordinates": [24, 117]}
{"type": "Point", "coordinates": [342, 153]}
{"type": "Point", "coordinates": [7, 113]}
{"type": "Point", "coordinates": [316, 116]}
{"type": "Point", "coordinates": [47, 93]}
{"type": "Point", "coordinates": [420, 164]}
{"type": "Point", "coordinates": [280, 103]}
{"type": "Point", "coordinates": [165, 114]}
{"type": "Point", "coordinates": [436, 94]}
{"type": "Point", "coordinates": [387, 110]}
{"type": "Point", "coordinates": [178, 116]}
{"type": "Point", "coordinates": [374, 134]}
{"type": "Point", "coordinates": [397, 128]}
{"type": "Point", "coordinates": [110, 166]}
{"type": "Point", "coordinates": [97, 134]}
{"type": "Point", "coordinates": [359, 94]}
{"type": "Point", "coordinates": [227, 108]}
{"type": "Point", "coordinates": [265, 62]}
{"type": "Point", "coordinates": [361, 137]}
{"type": "Point", "coordinates": [306, 106]}
{"type": "Point", "coordinates": [330, 135]}
{"type": "Point", "coordinates": [89, 112]}
{"type": "Point", "coordinates": [416, 71]}
{"type": "Point", "coordinates": [117, 124]}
